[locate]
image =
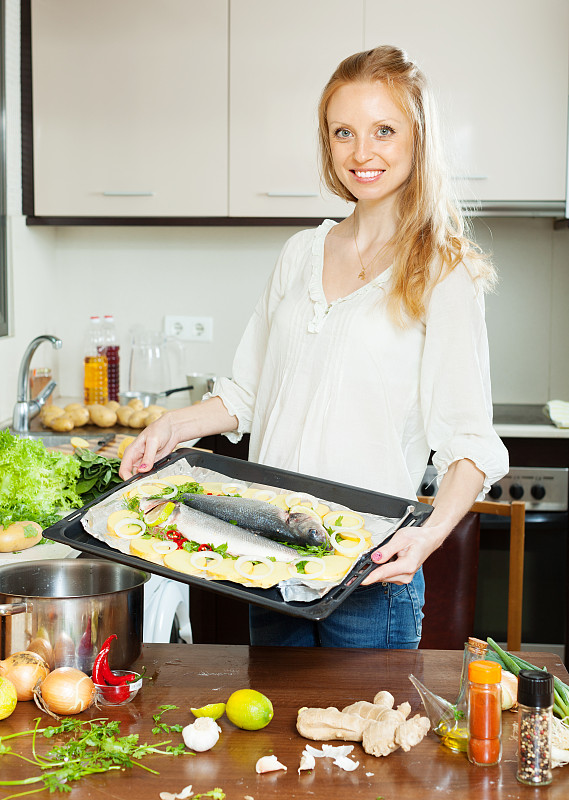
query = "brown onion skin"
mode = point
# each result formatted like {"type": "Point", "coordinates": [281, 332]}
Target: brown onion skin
{"type": "Point", "coordinates": [17, 665]}
{"type": "Point", "coordinates": [67, 690]}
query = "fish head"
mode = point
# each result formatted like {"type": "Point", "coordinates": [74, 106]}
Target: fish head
{"type": "Point", "coordinates": [309, 529]}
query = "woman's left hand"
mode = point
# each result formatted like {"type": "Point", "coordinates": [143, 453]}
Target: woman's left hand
{"type": "Point", "coordinates": [411, 548]}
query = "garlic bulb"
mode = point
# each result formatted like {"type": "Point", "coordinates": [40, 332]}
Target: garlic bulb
{"type": "Point", "coordinates": [201, 735]}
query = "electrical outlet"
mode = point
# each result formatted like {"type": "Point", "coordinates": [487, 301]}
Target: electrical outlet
{"type": "Point", "coordinates": [191, 329]}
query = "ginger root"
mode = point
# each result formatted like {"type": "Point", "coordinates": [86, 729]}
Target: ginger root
{"type": "Point", "coordinates": [380, 727]}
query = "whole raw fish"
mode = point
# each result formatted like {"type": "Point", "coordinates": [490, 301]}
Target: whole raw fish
{"type": "Point", "coordinates": [205, 529]}
{"type": "Point", "coordinates": [258, 515]}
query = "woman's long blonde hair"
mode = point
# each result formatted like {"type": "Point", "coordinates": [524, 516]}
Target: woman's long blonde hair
{"type": "Point", "coordinates": [430, 239]}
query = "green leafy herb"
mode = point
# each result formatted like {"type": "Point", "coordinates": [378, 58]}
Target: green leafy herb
{"type": "Point", "coordinates": [193, 547]}
{"type": "Point", "coordinates": [93, 747]}
{"type": "Point", "coordinates": [162, 727]}
{"type": "Point", "coordinates": [37, 485]}
{"type": "Point", "coordinates": [98, 474]}
{"type": "Point", "coordinates": [309, 549]}
{"type": "Point", "coordinates": [301, 566]}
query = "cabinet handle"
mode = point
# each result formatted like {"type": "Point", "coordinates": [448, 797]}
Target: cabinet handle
{"type": "Point", "coordinates": [470, 177]}
{"type": "Point", "coordinates": [128, 194]}
{"type": "Point", "coordinates": [291, 194]}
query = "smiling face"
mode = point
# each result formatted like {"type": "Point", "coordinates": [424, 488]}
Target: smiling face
{"type": "Point", "coordinates": [371, 141]}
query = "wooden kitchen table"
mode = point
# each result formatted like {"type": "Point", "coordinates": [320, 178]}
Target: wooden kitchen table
{"type": "Point", "coordinates": [193, 675]}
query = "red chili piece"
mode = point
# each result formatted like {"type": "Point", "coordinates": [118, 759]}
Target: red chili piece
{"type": "Point", "coordinates": [204, 547]}
{"type": "Point", "coordinates": [102, 673]}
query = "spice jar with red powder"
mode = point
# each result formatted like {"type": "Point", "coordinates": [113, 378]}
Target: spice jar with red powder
{"type": "Point", "coordinates": [484, 713]}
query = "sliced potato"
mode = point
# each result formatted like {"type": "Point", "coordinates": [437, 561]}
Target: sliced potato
{"type": "Point", "coordinates": [180, 561]}
{"type": "Point", "coordinates": [143, 549]}
{"type": "Point", "coordinates": [116, 516]}
{"type": "Point", "coordinates": [123, 445]}
{"type": "Point", "coordinates": [19, 536]}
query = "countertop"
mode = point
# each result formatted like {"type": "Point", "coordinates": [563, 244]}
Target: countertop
{"type": "Point", "coordinates": [192, 675]}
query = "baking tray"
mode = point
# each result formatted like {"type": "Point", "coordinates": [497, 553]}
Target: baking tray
{"type": "Point", "coordinates": [70, 531]}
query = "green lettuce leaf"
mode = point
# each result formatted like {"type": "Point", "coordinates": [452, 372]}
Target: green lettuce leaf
{"type": "Point", "coordinates": [36, 484]}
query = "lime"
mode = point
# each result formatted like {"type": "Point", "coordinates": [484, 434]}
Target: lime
{"type": "Point", "coordinates": [213, 710]}
{"type": "Point", "coordinates": [159, 514]}
{"type": "Point", "coordinates": [249, 709]}
{"type": "Point", "coordinates": [8, 697]}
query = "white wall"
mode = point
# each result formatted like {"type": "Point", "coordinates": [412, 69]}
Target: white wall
{"type": "Point", "coordinates": [60, 276]}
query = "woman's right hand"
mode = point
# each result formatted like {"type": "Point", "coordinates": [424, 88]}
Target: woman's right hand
{"type": "Point", "coordinates": [152, 444]}
{"type": "Point", "coordinates": [184, 424]}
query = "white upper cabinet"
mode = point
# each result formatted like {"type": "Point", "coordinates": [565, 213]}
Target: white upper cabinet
{"type": "Point", "coordinates": [282, 55]}
{"type": "Point", "coordinates": [130, 107]}
{"type": "Point", "coordinates": [500, 71]}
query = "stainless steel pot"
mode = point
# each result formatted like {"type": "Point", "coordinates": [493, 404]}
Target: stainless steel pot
{"type": "Point", "coordinates": [151, 398]}
{"type": "Point", "coordinates": [65, 609]}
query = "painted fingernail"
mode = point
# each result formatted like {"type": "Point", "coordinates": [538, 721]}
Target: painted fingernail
{"type": "Point", "coordinates": [142, 466]}
{"type": "Point", "coordinates": [376, 557]}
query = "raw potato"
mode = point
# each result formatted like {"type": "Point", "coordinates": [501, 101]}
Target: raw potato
{"type": "Point", "coordinates": [136, 403]}
{"type": "Point", "coordinates": [61, 423]}
{"type": "Point", "coordinates": [124, 413]}
{"type": "Point", "coordinates": [102, 417]}
{"type": "Point", "coordinates": [72, 406]}
{"type": "Point", "coordinates": [50, 412]}
{"type": "Point", "coordinates": [154, 408]}
{"type": "Point", "coordinates": [113, 405]}
{"type": "Point", "coordinates": [79, 415]}
{"type": "Point", "coordinates": [19, 536]}
{"type": "Point", "coordinates": [137, 419]}
{"type": "Point", "coordinates": [152, 416]}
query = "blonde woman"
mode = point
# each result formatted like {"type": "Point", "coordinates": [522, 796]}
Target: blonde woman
{"type": "Point", "coordinates": [367, 350]}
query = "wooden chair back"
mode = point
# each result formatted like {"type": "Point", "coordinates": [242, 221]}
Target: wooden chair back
{"type": "Point", "coordinates": [451, 574]}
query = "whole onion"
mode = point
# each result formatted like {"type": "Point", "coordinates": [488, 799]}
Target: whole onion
{"type": "Point", "coordinates": [65, 690]}
{"type": "Point", "coordinates": [25, 669]}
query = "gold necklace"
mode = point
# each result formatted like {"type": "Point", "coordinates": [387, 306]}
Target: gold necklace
{"type": "Point", "coordinates": [362, 272]}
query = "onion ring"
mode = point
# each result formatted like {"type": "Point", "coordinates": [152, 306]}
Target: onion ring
{"type": "Point", "coordinates": [301, 499]}
{"type": "Point", "coordinates": [211, 554]}
{"type": "Point", "coordinates": [347, 551]}
{"type": "Point", "coordinates": [159, 482]}
{"type": "Point", "coordinates": [264, 494]}
{"type": "Point", "coordinates": [164, 547]}
{"type": "Point", "coordinates": [122, 523]}
{"type": "Point", "coordinates": [246, 559]}
{"type": "Point", "coordinates": [301, 560]}
{"type": "Point", "coordinates": [233, 488]}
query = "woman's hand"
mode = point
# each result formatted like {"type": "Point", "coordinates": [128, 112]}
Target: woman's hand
{"type": "Point", "coordinates": [162, 436]}
{"type": "Point", "coordinates": [413, 545]}
{"type": "Point", "coordinates": [152, 444]}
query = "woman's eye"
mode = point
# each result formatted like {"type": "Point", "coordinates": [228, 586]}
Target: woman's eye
{"type": "Point", "coordinates": [342, 133]}
{"type": "Point", "coordinates": [385, 130]}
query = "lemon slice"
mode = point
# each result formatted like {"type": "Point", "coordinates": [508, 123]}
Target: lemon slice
{"type": "Point", "coordinates": [213, 710]}
{"type": "Point", "coordinates": [301, 499]}
{"type": "Point", "coordinates": [159, 514]}
{"type": "Point", "coordinates": [305, 510]}
{"type": "Point", "coordinates": [77, 441]}
{"type": "Point", "coordinates": [344, 518]}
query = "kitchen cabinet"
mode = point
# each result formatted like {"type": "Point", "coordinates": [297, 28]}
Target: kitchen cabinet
{"type": "Point", "coordinates": [501, 80]}
{"type": "Point", "coordinates": [129, 107]}
{"type": "Point", "coordinates": [282, 54]}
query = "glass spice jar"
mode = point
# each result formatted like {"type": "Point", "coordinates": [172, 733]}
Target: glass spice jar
{"type": "Point", "coordinates": [455, 735]}
{"type": "Point", "coordinates": [484, 713]}
{"type": "Point", "coordinates": [535, 702]}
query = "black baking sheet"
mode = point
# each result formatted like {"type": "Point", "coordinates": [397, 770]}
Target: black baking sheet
{"type": "Point", "coordinates": [70, 530]}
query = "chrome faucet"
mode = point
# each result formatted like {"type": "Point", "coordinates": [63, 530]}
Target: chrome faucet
{"type": "Point", "coordinates": [26, 406]}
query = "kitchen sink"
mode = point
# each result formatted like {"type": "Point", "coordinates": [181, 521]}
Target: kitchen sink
{"type": "Point", "coordinates": [54, 439]}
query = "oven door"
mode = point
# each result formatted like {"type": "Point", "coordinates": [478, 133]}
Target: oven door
{"type": "Point", "coordinates": [545, 580]}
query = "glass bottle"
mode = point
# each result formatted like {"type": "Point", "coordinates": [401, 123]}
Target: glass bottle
{"type": "Point", "coordinates": [110, 349]}
{"type": "Point", "coordinates": [455, 736]}
{"type": "Point", "coordinates": [484, 713]}
{"type": "Point", "coordinates": [95, 365]}
{"type": "Point", "coordinates": [535, 702]}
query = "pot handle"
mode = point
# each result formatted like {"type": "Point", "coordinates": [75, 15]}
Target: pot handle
{"type": "Point", "coordinates": [8, 609]}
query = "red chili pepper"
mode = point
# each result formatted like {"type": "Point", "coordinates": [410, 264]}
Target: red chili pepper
{"type": "Point", "coordinates": [204, 547]}
{"type": "Point", "coordinates": [102, 673]}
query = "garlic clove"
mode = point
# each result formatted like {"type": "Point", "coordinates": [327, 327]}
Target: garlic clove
{"type": "Point", "coordinates": [268, 764]}
{"type": "Point", "coordinates": [346, 763]}
{"type": "Point", "coordinates": [201, 735]}
{"type": "Point", "coordinates": [509, 687]}
{"type": "Point", "coordinates": [307, 761]}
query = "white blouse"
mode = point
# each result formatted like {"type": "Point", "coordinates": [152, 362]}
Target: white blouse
{"type": "Point", "coordinates": [341, 392]}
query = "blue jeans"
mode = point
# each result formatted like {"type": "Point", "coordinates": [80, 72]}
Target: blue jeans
{"type": "Point", "coordinates": [384, 616]}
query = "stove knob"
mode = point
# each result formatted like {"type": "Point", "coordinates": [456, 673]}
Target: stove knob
{"type": "Point", "coordinates": [538, 491]}
{"type": "Point", "coordinates": [427, 489]}
{"type": "Point", "coordinates": [516, 491]}
{"type": "Point", "coordinates": [495, 491]}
